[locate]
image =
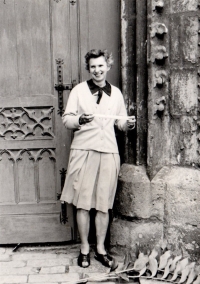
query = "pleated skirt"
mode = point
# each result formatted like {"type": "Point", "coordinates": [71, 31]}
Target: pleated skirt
{"type": "Point", "coordinates": [91, 180]}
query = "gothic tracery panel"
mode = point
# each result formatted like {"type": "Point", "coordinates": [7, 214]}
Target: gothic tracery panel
{"type": "Point", "coordinates": [27, 176]}
{"type": "Point", "coordinates": [46, 179]}
{"type": "Point", "coordinates": [20, 123]}
{"type": "Point", "coordinates": [7, 184]}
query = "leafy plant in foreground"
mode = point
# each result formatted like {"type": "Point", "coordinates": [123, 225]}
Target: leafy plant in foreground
{"type": "Point", "coordinates": [157, 265]}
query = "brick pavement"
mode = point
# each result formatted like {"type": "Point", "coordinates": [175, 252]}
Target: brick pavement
{"type": "Point", "coordinates": [45, 264]}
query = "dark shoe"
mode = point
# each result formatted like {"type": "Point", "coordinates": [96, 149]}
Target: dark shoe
{"type": "Point", "coordinates": [83, 258]}
{"type": "Point", "coordinates": [105, 259]}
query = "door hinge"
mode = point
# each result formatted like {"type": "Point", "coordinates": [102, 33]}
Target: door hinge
{"type": "Point", "coordinates": [63, 213]}
{"type": "Point", "coordinates": [60, 86]}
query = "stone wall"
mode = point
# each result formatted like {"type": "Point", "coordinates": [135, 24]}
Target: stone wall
{"type": "Point", "coordinates": [158, 193]}
{"type": "Point", "coordinates": [166, 208]}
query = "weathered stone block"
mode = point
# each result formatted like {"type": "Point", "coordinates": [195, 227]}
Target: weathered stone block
{"type": "Point", "coordinates": [184, 92]}
{"type": "Point", "coordinates": [31, 256]}
{"type": "Point", "coordinates": [2, 250]}
{"type": "Point", "coordinates": [53, 270]}
{"type": "Point", "coordinates": [184, 240]}
{"type": "Point", "coordinates": [52, 278]}
{"type": "Point", "coordinates": [133, 196]}
{"type": "Point", "coordinates": [190, 40]}
{"type": "Point", "coordinates": [136, 196]}
{"type": "Point", "coordinates": [13, 279]}
{"type": "Point", "coordinates": [128, 234]}
{"type": "Point", "coordinates": [184, 140]}
{"type": "Point", "coordinates": [48, 262]}
{"type": "Point", "coordinates": [158, 187]}
{"type": "Point", "coordinates": [5, 257]}
{"type": "Point", "coordinates": [187, 41]}
{"type": "Point", "coordinates": [158, 144]}
{"type": "Point", "coordinates": [181, 209]}
{"type": "Point", "coordinates": [172, 209]}
{"type": "Point", "coordinates": [14, 263]}
{"type": "Point", "coordinates": [182, 196]}
{"type": "Point", "coordinates": [184, 5]}
{"type": "Point", "coordinates": [18, 271]}
{"type": "Point", "coordinates": [175, 55]}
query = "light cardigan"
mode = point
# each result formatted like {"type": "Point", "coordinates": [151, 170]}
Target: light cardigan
{"type": "Point", "coordinates": [99, 134]}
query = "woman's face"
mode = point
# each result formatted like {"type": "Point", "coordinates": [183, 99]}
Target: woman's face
{"type": "Point", "coordinates": [98, 69]}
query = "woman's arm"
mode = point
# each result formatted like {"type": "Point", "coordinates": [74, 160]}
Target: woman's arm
{"type": "Point", "coordinates": [123, 124]}
{"type": "Point", "coordinates": [71, 116]}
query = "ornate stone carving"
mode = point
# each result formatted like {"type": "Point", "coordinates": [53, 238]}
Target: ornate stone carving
{"type": "Point", "coordinates": [160, 78]}
{"type": "Point", "coordinates": [160, 54]}
{"type": "Point", "coordinates": [159, 30]}
{"type": "Point", "coordinates": [158, 5]}
{"type": "Point", "coordinates": [160, 105]}
{"type": "Point", "coordinates": [24, 123]}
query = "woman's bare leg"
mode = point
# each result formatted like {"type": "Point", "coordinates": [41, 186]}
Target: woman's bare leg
{"type": "Point", "coordinates": [83, 222]}
{"type": "Point", "coordinates": [101, 223]}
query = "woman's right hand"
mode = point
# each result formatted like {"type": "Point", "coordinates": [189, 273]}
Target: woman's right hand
{"type": "Point", "coordinates": [85, 118]}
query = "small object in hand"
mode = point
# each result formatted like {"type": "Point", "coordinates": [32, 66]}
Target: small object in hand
{"type": "Point", "coordinates": [85, 118]}
{"type": "Point", "coordinates": [131, 122]}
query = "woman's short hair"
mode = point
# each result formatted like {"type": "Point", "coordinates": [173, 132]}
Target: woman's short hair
{"type": "Point", "coordinates": [95, 53]}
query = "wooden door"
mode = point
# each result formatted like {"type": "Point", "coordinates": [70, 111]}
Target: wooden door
{"type": "Point", "coordinates": [43, 43]}
{"type": "Point", "coordinates": [34, 144]}
{"type": "Point", "coordinates": [99, 27]}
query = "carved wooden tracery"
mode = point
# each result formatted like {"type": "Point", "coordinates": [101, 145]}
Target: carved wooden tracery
{"type": "Point", "coordinates": [39, 186]}
{"type": "Point", "coordinates": [34, 154]}
{"type": "Point", "coordinates": [25, 123]}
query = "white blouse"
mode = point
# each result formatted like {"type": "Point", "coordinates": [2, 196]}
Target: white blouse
{"type": "Point", "coordinates": [99, 134]}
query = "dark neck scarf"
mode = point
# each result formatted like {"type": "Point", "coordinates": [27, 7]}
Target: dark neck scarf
{"type": "Point", "coordinates": [94, 88]}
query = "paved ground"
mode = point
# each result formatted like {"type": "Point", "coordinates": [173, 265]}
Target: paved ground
{"type": "Point", "coordinates": [46, 264]}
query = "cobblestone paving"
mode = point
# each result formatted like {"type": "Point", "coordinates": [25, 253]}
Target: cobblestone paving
{"type": "Point", "coordinates": [45, 264]}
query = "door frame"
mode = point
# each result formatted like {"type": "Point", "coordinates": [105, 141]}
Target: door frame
{"type": "Point", "coordinates": [134, 74]}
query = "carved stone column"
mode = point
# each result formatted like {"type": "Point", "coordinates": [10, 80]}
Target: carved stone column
{"type": "Point", "coordinates": [158, 194]}
{"type": "Point", "coordinates": [136, 220]}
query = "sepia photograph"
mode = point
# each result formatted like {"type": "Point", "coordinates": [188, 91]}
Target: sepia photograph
{"type": "Point", "coordinates": [99, 141]}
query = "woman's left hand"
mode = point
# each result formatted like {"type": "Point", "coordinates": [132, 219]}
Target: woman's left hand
{"type": "Point", "coordinates": [131, 123]}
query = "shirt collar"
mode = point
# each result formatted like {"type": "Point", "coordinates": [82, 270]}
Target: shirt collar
{"type": "Point", "coordinates": [94, 88]}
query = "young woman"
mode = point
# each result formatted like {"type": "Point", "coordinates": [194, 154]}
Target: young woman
{"type": "Point", "coordinates": [93, 108]}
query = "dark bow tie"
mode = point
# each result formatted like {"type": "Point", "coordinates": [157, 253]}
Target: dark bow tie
{"type": "Point", "coordinates": [94, 88]}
